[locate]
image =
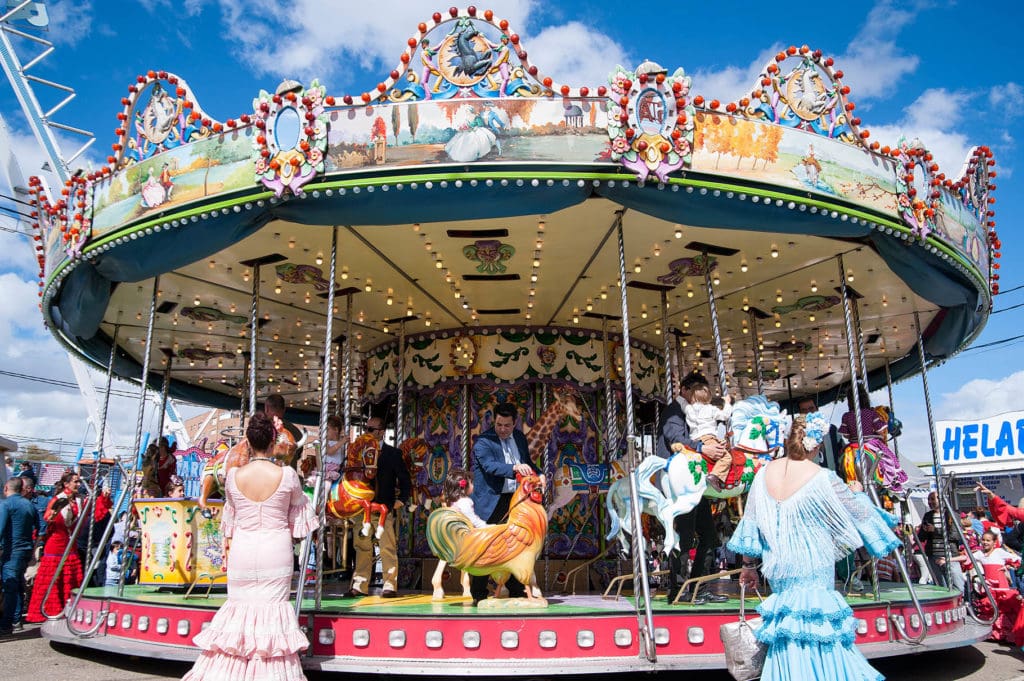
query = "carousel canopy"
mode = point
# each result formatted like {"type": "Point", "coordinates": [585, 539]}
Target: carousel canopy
{"type": "Point", "coordinates": [477, 205]}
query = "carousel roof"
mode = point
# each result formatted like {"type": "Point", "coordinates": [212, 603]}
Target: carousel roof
{"type": "Point", "coordinates": [474, 196]}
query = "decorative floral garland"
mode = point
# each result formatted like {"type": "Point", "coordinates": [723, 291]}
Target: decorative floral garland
{"type": "Point", "coordinates": [278, 168]}
{"type": "Point", "coordinates": [651, 124]}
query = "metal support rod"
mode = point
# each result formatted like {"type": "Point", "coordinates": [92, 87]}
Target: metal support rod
{"type": "Point", "coordinates": [163, 393]}
{"type": "Point", "coordinates": [246, 361]}
{"type": "Point", "coordinates": [757, 353]}
{"type": "Point", "coordinates": [136, 455]}
{"type": "Point", "coordinates": [860, 344]}
{"type": "Point", "coordinates": [611, 420]}
{"type": "Point", "coordinates": [254, 327]}
{"type": "Point", "coordinates": [106, 392]}
{"type": "Point", "coordinates": [723, 378]}
{"type": "Point", "coordinates": [892, 407]}
{"type": "Point", "coordinates": [667, 352]}
{"type": "Point", "coordinates": [866, 480]}
{"type": "Point", "coordinates": [325, 395]}
{"type": "Point", "coordinates": [346, 386]}
{"type": "Point", "coordinates": [400, 391]}
{"type": "Point", "coordinates": [936, 466]}
{"type": "Point", "coordinates": [464, 422]}
{"type": "Point", "coordinates": [645, 617]}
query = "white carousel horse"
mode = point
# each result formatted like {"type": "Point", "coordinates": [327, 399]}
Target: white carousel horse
{"type": "Point", "coordinates": [674, 486]}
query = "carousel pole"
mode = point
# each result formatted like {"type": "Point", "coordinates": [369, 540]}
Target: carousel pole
{"type": "Point", "coordinates": [851, 340]}
{"type": "Point", "coordinates": [464, 420]}
{"type": "Point", "coordinates": [246, 360]}
{"type": "Point", "coordinates": [940, 487]}
{"type": "Point", "coordinates": [670, 370]}
{"type": "Point", "coordinates": [612, 437]}
{"type": "Point", "coordinates": [641, 585]}
{"type": "Point", "coordinates": [400, 391]}
{"type": "Point", "coordinates": [325, 394]}
{"type": "Point", "coordinates": [888, 385]}
{"type": "Point", "coordinates": [254, 318]}
{"type": "Point", "coordinates": [346, 383]}
{"type": "Point", "coordinates": [716, 335]}
{"type": "Point", "coordinates": [129, 488]}
{"type": "Point", "coordinates": [94, 487]}
{"type": "Point", "coordinates": [757, 353]}
{"type": "Point", "coordinates": [860, 343]}
{"type": "Point", "coordinates": [168, 355]}
{"type": "Point", "coordinates": [106, 394]}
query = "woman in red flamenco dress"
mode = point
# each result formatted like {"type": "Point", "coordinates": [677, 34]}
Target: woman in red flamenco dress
{"type": "Point", "coordinates": [1010, 625]}
{"type": "Point", "coordinates": [61, 515]}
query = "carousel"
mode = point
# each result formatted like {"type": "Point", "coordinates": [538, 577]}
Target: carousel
{"type": "Point", "coordinates": [474, 232]}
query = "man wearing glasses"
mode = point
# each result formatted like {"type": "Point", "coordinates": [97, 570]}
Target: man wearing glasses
{"type": "Point", "coordinates": [391, 476]}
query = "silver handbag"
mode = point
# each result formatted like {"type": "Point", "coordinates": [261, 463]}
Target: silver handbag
{"type": "Point", "coordinates": [744, 654]}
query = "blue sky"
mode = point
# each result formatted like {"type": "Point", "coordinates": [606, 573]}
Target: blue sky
{"type": "Point", "coordinates": [946, 72]}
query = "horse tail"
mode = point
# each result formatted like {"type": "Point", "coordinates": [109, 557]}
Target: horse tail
{"type": "Point", "coordinates": [615, 529]}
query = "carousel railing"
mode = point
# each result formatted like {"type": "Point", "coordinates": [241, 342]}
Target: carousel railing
{"type": "Point", "coordinates": [976, 568]}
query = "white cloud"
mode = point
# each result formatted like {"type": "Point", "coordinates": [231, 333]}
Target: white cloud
{"type": "Point", "coordinates": [576, 54]}
{"type": "Point", "coordinates": [1009, 95]}
{"type": "Point", "coordinates": [873, 62]}
{"type": "Point", "coordinates": [983, 398]}
{"type": "Point", "coordinates": [732, 82]}
{"type": "Point", "coordinates": [310, 38]}
{"type": "Point", "coordinates": [935, 118]}
{"type": "Point", "coordinates": [70, 21]}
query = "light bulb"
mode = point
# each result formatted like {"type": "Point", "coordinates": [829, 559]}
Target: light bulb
{"type": "Point", "coordinates": [637, 267]}
{"type": "Point", "coordinates": [604, 294]}
{"type": "Point", "coordinates": [716, 281]}
{"type": "Point", "coordinates": [810, 317]}
{"type": "Point", "coordinates": [196, 301]}
{"type": "Point", "coordinates": [439, 264]}
{"type": "Point", "coordinates": [679, 233]}
{"type": "Point", "coordinates": [775, 251]}
{"type": "Point", "coordinates": [814, 287]}
{"type": "Point", "coordinates": [849, 276]}
{"type": "Point", "coordinates": [689, 292]}
{"type": "Point", "coordinates": [746, 304]}
{"type": "Point", "coordinates": [319, 259]}
{"type": "Point", "coordinates": [743, 266]}
{"type": "Point", "coordinates": [344, 273]}
{"type": "Point", "coordinates": [657, 250]}
{"type": "Point", "coordinates": [778, 296]}
{"type": "Point", "coordinates": [277, 288]}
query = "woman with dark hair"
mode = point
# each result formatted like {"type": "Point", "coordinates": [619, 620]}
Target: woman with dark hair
{"type": "Point", "coordinates": [800, 519]}
{"type": "Point", "coordinates": [61, 515]}
{"type": "Point", "coordinates": [875, 430]}
{"type": "Point", "coordinates": [255, 634]}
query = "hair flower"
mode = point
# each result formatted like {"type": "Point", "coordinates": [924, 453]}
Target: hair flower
{"type": "Point", "coordinates": [816, 425]}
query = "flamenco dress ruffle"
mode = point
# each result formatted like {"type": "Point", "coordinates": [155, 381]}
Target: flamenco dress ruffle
{"type": "Point", "coordinates": [810, 631]}
{"type": "Point", "coordinates": [71, 576]}
{"type": "Point", "coordinates": [255, 635]}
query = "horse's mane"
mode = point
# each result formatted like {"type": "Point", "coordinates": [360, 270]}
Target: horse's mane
{"type": "Point", "coordinates": [745, 411]}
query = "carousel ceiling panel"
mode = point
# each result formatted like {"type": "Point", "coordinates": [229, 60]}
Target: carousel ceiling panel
{"type": "Point", "coordinates": [413, 272]}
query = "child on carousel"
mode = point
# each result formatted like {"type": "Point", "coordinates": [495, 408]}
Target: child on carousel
{"type": "Point", "coordinates": [875, 431]}
{"type": "Point", "coordinates": [456, 491]}
{"type": "Point", "coordinates": [702, 418]}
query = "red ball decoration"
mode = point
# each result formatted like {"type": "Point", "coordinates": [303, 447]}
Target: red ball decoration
{"type": "Point", "coordinates": [641, 146]}
{"type": "Point", "coordinates": [601, 90]}
{"type": "Point", "coordinates": [547, 82]}
{"type": "Point", "coordinates": [565, 90]}
{"type": "Point", "coordinates": [584, 91]}
{"type": "Point", "coordinates": [488, 14]}
{"type": "Point", "coordinates": [471, 11]}
{"type": "Point", "coordinates": [514, 38]}
{"type": "Point", "coordinates": [503, 24]}
{"type": "Point", "coordinates": [453, 12]}
{"type": "Point", "coordinates": [436, 17]}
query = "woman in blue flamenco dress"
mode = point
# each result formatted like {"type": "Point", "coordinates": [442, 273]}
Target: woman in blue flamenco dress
{"type": "Point", "coordinates": [800, 519]}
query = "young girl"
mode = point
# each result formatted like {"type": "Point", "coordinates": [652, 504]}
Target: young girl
{"type": "Point", "coordinates": [456, 491]}
{"type": "Point", "coordinates": [876, 434]}
{"type": "Point", "coordinates": [702, 417]}
{"type": "Point", "coordinates": [334, 453]}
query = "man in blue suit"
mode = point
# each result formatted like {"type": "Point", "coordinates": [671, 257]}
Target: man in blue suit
{"type": "Point", "coordinates": [499, 454]}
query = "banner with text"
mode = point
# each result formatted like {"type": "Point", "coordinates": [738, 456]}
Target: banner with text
{"type": "Point", "coordinates": [995, 444]}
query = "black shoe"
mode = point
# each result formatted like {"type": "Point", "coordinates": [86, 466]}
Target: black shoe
{"type": "Point", "coordinates": [475, 603]}
{"type": "Point", "coordinates": [715, 483]}
{"type": "Point", "coordinates": [389, 593]}
{"type": "Point", "coordinates": [352, 593]}
{"type": "Point", "coordinates": [712, 597]}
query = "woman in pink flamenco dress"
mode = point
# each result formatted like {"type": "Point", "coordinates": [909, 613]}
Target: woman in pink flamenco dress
{"type": "Point", "coordinates": [255, 635]}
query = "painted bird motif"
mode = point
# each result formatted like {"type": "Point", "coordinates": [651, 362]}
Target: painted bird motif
{"type": "Point", "coordinates": [502, 550]}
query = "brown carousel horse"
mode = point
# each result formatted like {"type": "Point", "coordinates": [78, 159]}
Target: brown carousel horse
{"type": "Point", "coordinates": [215, 471]}
{"type": "Point", "coordinates": [414, 454]}
{"type": "Point", "coordinates": [353, 492]}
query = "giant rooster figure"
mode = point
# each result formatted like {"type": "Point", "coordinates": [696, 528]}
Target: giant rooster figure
{"type": "Point", "coordinates": [497, 550]}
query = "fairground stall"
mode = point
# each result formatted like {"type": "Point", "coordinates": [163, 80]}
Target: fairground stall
{"type": "Point", "coordinates": [473, 231]}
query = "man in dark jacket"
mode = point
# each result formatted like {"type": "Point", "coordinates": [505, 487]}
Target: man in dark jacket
{"type": "Point", "coordinates": [18, 523]}
{"type": "Point", "coordinates": [391, 475]}
{"type": "Point", "coordinates": [499, 455]}
{"type": "Point", "coordinates": [672, 428]}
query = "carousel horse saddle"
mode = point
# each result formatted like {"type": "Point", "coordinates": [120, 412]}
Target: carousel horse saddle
{"type": "Point", "coordinates": [589, 475]}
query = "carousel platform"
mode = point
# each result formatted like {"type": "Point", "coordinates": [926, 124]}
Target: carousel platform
{"type": "Point", "coordinates": [575, 634]}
